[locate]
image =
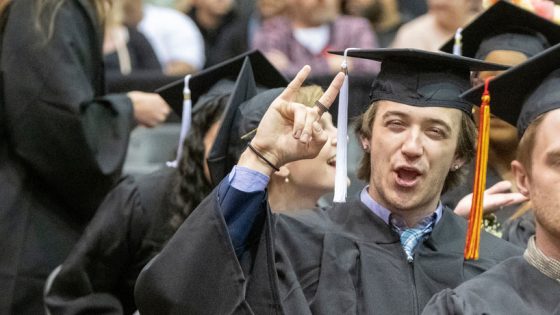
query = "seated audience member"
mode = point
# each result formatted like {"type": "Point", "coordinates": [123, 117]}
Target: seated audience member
{"type": "Point", "coordinates": [176, 40]}
{"type": "Point", "coordinates": [526, 95]}
{"type": "Point", "coordinates": [130, 61]}
{"type": "Point", "coordinates": [308, 31]}
{"type": "Point", "coordinates": [237, 37]}
{"type": "Point", "coordinates": [386, 253]}
{"type": "Point", "coordinates": [504, 34]}
{"type": "Point", "coordinates": [383, 15]}
{"type": "Point", "coordinates": [431, 30]}
{"type": "Point", "coordinates": [63, 138]}
{"type": "Point", "coordinates": [211, 18]}
{"type": "Point", "coordinates": [139, 216]}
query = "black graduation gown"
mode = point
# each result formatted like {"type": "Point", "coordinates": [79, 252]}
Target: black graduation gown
{"type": "Point", "coordinates": [62, 144]}
{"type": "Point", "coordinates": [519, 230]}
{"type": "Point", "coordinates": [128, 230]}
{"type": "Point", "coordinates": [513, 287]}
{"type": "Point", "coordinates": [339, 260]}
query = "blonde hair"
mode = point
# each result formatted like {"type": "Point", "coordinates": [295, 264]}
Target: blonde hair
{"type": "Point", "coordinates": [307, 95]}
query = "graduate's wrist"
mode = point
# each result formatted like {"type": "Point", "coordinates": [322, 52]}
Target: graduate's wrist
{"type": "Point", "coordinates": [249, 159]}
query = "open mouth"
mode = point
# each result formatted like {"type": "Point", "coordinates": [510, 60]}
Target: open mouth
{"type": "Point", "coordinates": [332, 161]}
{"type": "Point", "coordinates": [407, 176]}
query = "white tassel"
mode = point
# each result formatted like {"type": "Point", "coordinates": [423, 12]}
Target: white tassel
{"type": "Point", "coordinates": [458, 44]}
{"type": "Point", "coordinates": [185, 121]}
{"type": "Point", "coordinates": [341, 176]}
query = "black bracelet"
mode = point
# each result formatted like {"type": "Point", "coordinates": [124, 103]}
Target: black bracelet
{"type": "Point", "coordinates": [262, 157]}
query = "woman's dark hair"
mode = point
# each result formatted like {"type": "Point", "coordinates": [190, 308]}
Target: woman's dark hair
{"type": "Point", "coordinates": [191, 185]}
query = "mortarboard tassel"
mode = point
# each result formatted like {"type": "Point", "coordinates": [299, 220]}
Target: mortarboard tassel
{"type": "Point", "coordinates": [475, 218]}
{"type": "Point", "coordinates": [458, 44]}
{"type": "Point", "coordinates": [185, 121]}
{"type": "Point", "coordinates": [341, 176]}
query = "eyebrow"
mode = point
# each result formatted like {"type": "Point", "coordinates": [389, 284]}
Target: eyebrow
{"type": "Point", "coordinates": [554, 154]}
{"type": "Point", "coordinates": [433, 121]}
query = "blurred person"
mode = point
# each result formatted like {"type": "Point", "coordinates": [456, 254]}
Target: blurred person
{"type": "Point", "coordinates": [308, 31]}
{"type": "Point", "coordinates": [386, 252]}
{"type": "Point", "coordinates": [139, 216]}
{"type": "Point", "coordinates": [63, 139]}
{"type": "Point", "coordinates": [383, 15]}
{"type": "Point", "coordinates": [237, 37]}
{"type": "Point", "coordinates": [130, 61]}
{"type": "Point", "coordinates": [211, 17]}
{"type": "Point", "coordinates": [527, 96]}
{"type": "Point", "coordinates": [509, 35]}
{"type": "Point", "coordinates": [429, 31]}
{"type": "Point", "coordinates": [176, 40]}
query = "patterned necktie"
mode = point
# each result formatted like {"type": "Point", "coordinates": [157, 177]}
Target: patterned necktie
{"type": "Point", "coordinates": [410, 237]}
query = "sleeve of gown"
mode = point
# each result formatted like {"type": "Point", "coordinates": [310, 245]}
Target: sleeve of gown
{"type": "Point", "coordinates": [91, 280]}
{"type": "Point", "coordinates": [71, 136]}
{"type": "Point", "coordinates": [198, 271]}
{"type": "Point", "coordinates": [447, 302]}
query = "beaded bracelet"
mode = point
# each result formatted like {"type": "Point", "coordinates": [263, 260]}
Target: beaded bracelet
{"type": "Point", "coordinates": [262, 157]}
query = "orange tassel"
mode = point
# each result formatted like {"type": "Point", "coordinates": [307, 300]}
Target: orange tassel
{"type": "Point", "coordinates": [475, 218]}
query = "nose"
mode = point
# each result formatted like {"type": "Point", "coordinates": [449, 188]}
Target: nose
{"type": "Point", "coordinates": [412, 147]}
{"type": "Point", "coordinates": [334, 137]}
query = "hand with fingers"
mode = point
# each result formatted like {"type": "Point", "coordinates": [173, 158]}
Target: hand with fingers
{"type": "Point", "coordinates": [290, 131]}
{"type": "Point", "coordinates": [495, 198]}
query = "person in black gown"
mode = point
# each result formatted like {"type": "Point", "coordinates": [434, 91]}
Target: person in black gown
{"type": "Point", "coordinates": [387, 252]}
{"type": "Point", "coordinates": [526, 95]}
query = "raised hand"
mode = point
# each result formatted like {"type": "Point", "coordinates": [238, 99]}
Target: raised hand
{"type": "Point", "coordinates": [495, 197]}
{"type": "Point", "coordinates": [291, 131]}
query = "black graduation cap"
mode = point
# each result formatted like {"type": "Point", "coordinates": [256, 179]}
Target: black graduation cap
{"type": "Point", "coordinates": [505, 26]}
{"type": "Point", "coordinates": [422, 78]}
{"type": "Point", "coordinates": [524, 92]}
{"type": "Point", "coordinates": [228, 144]}
{"type": "Point", "coordinates": [201, 82]}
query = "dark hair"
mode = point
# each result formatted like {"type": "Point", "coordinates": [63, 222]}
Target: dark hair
{"type": "Point", "coordinates": [191, 185]}
{"type": "Point", "coordinates": [465, 147]}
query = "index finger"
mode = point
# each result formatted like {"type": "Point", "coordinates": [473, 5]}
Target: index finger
{"type": "Point", "coordinates": [291, 90]}
{"type": "Point", "coordinates": [330, 94]}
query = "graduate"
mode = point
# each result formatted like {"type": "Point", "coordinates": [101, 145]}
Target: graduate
{"type": "Point", "coordinates": [387, 252]}
{"type": "Point", "coordinates": [140, 215]}
{"type": "Point", "coordinates": [505, 34]}
{"type": "Point", "coordinates": [527, 96]}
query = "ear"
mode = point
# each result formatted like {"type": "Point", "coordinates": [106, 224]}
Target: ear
{"type": "Point", "coordinates": [284, 171]}
{"type": "Point", "coordinates": [457, 164]}
{"type": "Point", "coordinates": [521, 178]}
{"type": "Point", "coordinates": [365, 143]}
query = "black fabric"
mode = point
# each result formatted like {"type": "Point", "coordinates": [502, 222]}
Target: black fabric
{"type": "Point", "coordinates": [142, 55]}
{"type": "Point", "coordinates": [519, 230]}
{"type": "Point", "coordinates": [511, 288]}
{"type": "Point", "coordinates": [529, 45]}
{"type": "Point", "coordinates": [339, 260]}
{"type": "Point", "coordinates": [526, 32]}
{"type": "Point", "coordinates": [64, 147]}
{"type": "Point", "coordinates": [199, 84]}
{"type": "Point", "coordinates": [524, 92]}
{"type": "Point", "coordinates": [422, 78]}
{"type": "Point", "coordinates": [98, 276]}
